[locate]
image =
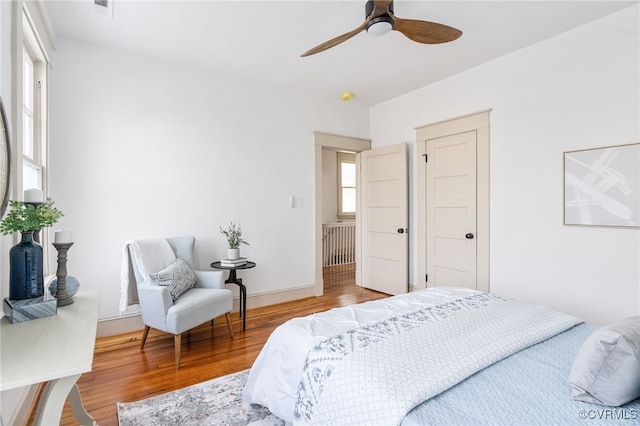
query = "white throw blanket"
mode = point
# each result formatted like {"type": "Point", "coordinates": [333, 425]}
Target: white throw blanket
{"type": "Point", "coordinates": [150, 255]}
{"type": "Point", "coordinates": [377, 377]}
{"type": "Point", "coordinates": [128, 290]}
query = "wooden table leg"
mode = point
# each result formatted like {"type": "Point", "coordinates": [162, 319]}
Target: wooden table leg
{"type": "Point", "coordinates": [80, 413]}
{"type": "Point", "coordinates": [52, 400]}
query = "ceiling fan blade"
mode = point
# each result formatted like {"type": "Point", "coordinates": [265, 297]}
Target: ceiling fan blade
{"type": "Point", "coordinates": [335, 41]}
{"type": "Point", "coordinates": [425, 32]}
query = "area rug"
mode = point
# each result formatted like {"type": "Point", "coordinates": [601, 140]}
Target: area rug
{"type": "Point", "coordinates": [215, 402]}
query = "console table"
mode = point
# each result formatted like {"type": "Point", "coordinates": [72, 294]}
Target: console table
{"type": "Point", "coordinates": [55, 349]}
{"type": "Point", "coordinates": [233, 279]}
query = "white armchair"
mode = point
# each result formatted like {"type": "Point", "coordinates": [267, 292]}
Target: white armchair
{"type": "Point", "coordinates": [197, 305]}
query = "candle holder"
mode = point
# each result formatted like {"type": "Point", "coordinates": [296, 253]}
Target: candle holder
{"type": "Point", "coordinates": [63, 287]}
{"type": "Point", "coordinates": [36, 233]}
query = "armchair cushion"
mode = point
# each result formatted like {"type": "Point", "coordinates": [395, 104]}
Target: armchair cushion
{"type": "Point", "coordinates": [178, 277]}
{"type": "Point", "coordinates": [197, 306]}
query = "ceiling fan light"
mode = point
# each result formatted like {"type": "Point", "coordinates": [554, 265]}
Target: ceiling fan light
{"type": "Point", "coordinates": [380, 26]}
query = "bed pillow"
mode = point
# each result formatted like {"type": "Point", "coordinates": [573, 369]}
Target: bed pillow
{"type": "Point", "coordinates": [606, 370]}
{"type": "Point", "coordinates": [178, 276]}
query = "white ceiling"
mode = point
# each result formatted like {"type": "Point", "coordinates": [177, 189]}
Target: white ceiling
{"type": "Point", "coordinates": [263, 40]}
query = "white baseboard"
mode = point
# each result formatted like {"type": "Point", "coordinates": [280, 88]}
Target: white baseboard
{"type": "Point", "coordinates": [121, 325]}
{"type": "Point", "coordinates": [274, 297]}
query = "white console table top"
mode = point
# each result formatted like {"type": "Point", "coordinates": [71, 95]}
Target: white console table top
{"type": "Point", "coordinates": [49, 348]}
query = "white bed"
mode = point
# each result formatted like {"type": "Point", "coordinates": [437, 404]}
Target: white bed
{"type": "Point", "coordinates": [375, 362]}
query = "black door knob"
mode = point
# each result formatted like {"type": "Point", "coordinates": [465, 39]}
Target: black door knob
{"type": "Point", "coordinates": [400, 231]}
{"type": "Point", "coordinates": [469, 236]}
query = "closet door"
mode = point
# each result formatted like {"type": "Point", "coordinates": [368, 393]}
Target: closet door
{"type": "Point", "coordinates": [451, 210]}
{"type": "Point", "coordinates": [453, 203]}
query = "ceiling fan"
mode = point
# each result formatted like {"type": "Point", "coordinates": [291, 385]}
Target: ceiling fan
{"type": "Point", "coordinates": [379, 20]}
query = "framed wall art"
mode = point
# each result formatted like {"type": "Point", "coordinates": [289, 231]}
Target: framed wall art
{"type": "Point", "coordinates": [602, 186]}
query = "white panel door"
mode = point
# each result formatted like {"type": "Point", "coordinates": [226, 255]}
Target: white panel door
{"type": "Point", "coordinates": [384, 207]}
{"type": "Point", "coordinates": [451, 210]}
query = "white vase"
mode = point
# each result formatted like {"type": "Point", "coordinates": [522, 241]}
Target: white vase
{"type": "Point", "coordinates": [233, 253]}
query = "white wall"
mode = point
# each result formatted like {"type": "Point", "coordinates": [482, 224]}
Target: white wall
{"type": "Point", "coordinates": [577, 90]}
{"type": "Point", "coordinates": [143, 148]}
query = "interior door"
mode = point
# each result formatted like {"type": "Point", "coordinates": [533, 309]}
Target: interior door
{"type": "Point", "coordinates": [451, 210]}
{"type": "Point", "coordinates": [384, 215]}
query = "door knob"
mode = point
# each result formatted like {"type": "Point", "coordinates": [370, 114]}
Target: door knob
{"type": "Point", "coordinates": [400, 230]}
{"type": "Point", "coordinates": [469, 236]}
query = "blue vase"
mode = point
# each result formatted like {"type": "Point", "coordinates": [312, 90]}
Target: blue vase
{"type": "Point", "coordinates": [26, 279]}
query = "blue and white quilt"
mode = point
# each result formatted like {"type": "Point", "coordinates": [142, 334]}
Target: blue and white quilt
{"type": "Point", "coordinates": [376, 374]}
{"type": "Point", "coordinates": [529, 388]}
{"type": "Point", "coordinates": [372, 363]}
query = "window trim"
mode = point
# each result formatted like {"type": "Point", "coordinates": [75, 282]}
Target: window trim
{"type": "Point", "coordinates": [33, 40]}
{"type": "Point", "coordinates": [344, 157]}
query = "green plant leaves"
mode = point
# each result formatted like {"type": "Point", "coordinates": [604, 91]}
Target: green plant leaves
{"type": "Point", "coordinates": [234, 235]}
{"type": "Point", "coordinates": [26, 217]}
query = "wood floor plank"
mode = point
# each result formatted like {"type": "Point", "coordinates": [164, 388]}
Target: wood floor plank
{"type": "Point", "coordinates": [123, 373]}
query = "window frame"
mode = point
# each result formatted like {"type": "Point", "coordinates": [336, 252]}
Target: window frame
{"type": "Point", "coordinates": [349, 158]}
{"type": "Point", "coordinates": [35, 156]}
{"type": "Point", "coordinates": [35, 42]}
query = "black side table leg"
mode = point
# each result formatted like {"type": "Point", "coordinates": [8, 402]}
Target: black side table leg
{"type": "Point", "coordinates": [243, 304]}
{"type": "Point", "coordinates": [242, 300]}
{"type": "Point", "coordinates": [233, 279]}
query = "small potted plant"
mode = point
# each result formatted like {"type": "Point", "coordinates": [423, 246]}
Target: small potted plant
{"type": "Point", "coordinates": [26, 278]}
{"type": "Point", "coordinates": [234, 238]}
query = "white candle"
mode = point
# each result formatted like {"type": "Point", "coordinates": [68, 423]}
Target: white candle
{"type": "Point", "coordinates": [33, 195]}
{"type": "Point", "coordinates": [62, 236]}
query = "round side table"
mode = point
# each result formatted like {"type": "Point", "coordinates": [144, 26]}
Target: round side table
{"type": "Point", "coordinates": [233, 279]}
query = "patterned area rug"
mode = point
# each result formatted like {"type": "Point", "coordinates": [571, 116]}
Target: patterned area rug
{"type": "Point", "coordinates": [215, 402]}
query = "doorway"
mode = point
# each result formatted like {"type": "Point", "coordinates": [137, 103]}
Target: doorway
{"type": "Point", "coordinates": [338, 218]}
{"type": "Point", "coordinates": [326, 141]}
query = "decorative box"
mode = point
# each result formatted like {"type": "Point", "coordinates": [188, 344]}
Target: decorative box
{"type": "Point", "coordinates": [28, 309]}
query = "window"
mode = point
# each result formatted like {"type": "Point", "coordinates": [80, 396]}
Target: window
{"type": "Point", "coordinates": [346, 185]}
{"type": "Point", "coordinates": [33, 117]}
{"type": "Point", "coordinates": [32, 111]}
{"type": "Point", "coordinates": [31, 176]}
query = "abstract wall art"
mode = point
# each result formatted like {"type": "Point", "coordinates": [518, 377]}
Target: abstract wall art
{"type": "Point", "coordinates": [602, 186]}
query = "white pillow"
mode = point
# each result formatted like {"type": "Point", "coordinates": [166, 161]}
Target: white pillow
{"type": "Point", "coordinates": [606, 370]}
{"type": "Point", "coordinates": [178, 276]}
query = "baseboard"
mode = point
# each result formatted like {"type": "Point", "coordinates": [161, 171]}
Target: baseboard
{"type": "Point", "coordinates": [119, 325]}
{"type": "Point", "coordinates": [274, 297]}
{"type": "Point", "coordinates": [127, 324]}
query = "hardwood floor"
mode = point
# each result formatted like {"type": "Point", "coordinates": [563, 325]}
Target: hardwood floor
{"type": "Point", "coordinates": [123, 373]}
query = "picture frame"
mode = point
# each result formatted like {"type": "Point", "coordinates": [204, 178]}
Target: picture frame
{"type": "Point", "coordinates": [602, 186]}
{"type": "Point", "coordinates": [5, 160]}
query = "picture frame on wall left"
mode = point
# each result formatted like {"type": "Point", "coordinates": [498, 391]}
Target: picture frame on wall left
{"type": "Point", "coordinates": [5, 160]}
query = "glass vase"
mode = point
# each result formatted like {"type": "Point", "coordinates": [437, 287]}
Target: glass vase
{"type": "Point", "coordinates": [26, 279]}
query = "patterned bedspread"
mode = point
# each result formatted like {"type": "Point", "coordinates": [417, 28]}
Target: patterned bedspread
{"type": "Point", "coordinates": [377, 373]}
